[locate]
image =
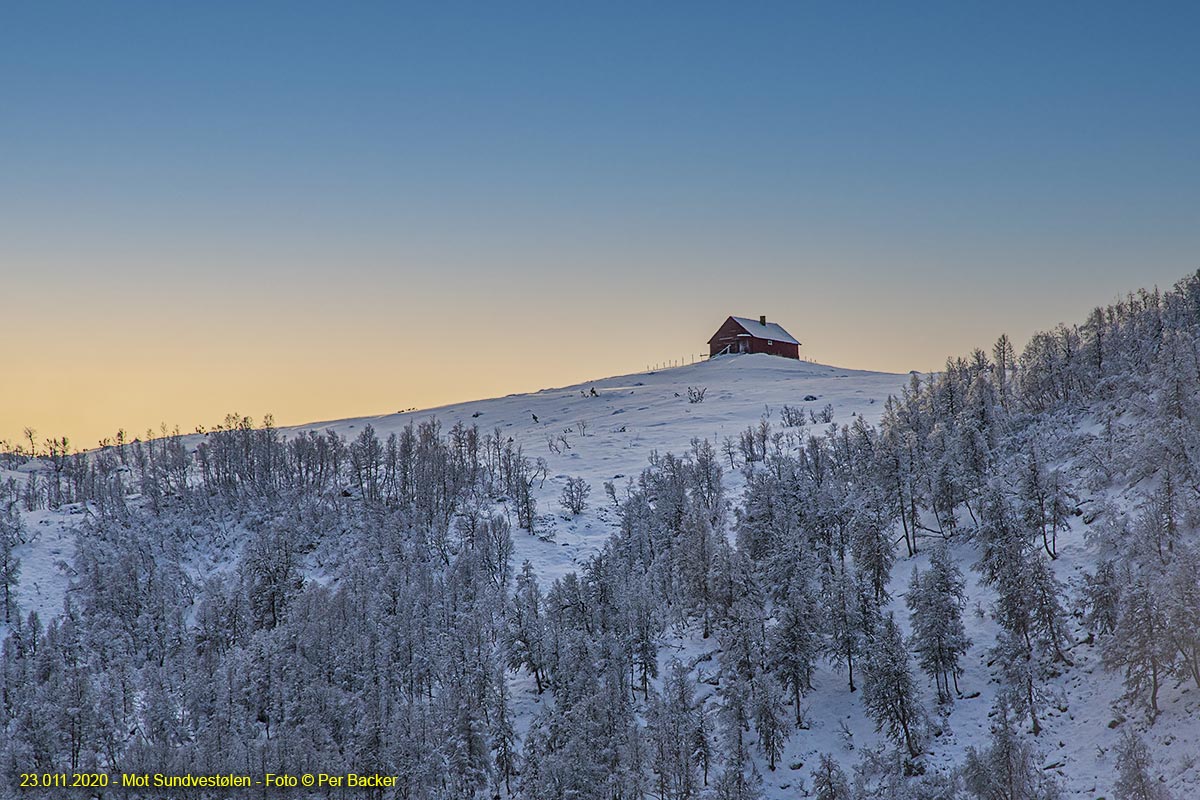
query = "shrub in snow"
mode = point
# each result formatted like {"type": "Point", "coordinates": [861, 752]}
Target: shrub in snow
{"type": "Point", "coordinates": [574, 495]}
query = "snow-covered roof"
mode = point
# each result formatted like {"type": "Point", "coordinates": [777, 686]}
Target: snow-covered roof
{"type": "Point", "coordinates": [772, 330]}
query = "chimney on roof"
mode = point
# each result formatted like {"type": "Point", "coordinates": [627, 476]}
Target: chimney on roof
{"type": "Point", "coordinates": [762, 320]}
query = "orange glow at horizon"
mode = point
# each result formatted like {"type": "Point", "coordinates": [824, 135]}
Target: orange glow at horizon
{"type": "Point", "coordinates": [361, 349]}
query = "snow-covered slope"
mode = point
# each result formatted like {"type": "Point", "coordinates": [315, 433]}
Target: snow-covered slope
{"type": "Point", "coordinates": [604, 431]}
{"type": "Point", "coordinates": [607, 436]}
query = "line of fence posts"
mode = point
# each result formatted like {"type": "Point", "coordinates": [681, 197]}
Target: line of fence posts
{"type": "Point", "coordinates": [688, 359]}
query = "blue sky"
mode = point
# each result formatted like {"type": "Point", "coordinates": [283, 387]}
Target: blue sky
{"type": "Point", "coordinates": [283, 182]}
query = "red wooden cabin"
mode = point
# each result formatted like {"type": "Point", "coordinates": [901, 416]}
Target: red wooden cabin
{"type": "Point", "coordinates": [744, 335]}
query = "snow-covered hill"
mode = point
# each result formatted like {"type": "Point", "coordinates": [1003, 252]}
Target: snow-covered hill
{"type": "Point", "coordinates": [600, 437]}
{"type": "Point", "coordinates": [604, 431]}
{"type": "Point", "coordinates": [607, 436]}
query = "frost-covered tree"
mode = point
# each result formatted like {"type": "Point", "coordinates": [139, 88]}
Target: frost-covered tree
{"type": "Point", "coordinates": [1102, 597]}
{"type": "Point", "coordinates": [675, 723]}
{"type": "Point", "coordinates": [10, 565]}
{"type": "Point", "coordinates": [770, 720]}
{"type": "Point", "coordinates": [1141, 645]}
{"type": "Point", "coordinates": [1028, 606]}
{"type": "Point", "coordinates": [1134, 767]}
{"type": "Point", "coordinates": [935, 601]}
{"type": "Point", "coordinates": [1004, 364]}
{"type": "Point", "coordinates": [1043, 500]}
{"type": "Point", "coordinates": [844, 622]}
{"type": "Point", "coordinates": [739, 779]}
{"type": "Point", "coordinates": [526, 632]}
{"type": "Point", "coordinates": [1008, 768]}
{"type": "Point", "coordinates": [794, 644]}
{"type": "Point", "coordinates": [739, 784]}
{"type": "Point", "coordinates": [1028, 603]}
{"type": "Point", "coordinates": [829, 781]}
{"type": "Point", "coordinates": [1180, 598]}
{"type": "Point", "coordinates": [890, 696]}
{"type": "Point", "coordinates": [872, 548]}
{"type": "Point", "coordinates": [503, 736]}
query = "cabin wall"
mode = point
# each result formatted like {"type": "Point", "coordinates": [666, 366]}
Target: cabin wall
{"type": "Point", "coordinates": [774, 348]}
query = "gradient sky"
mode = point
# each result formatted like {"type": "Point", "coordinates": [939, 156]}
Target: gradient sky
{"type": "Point", "coordinates": [324, 210]}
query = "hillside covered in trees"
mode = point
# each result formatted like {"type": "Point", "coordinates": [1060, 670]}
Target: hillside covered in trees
{"type": "Point", "coordinates": [739, 579]}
